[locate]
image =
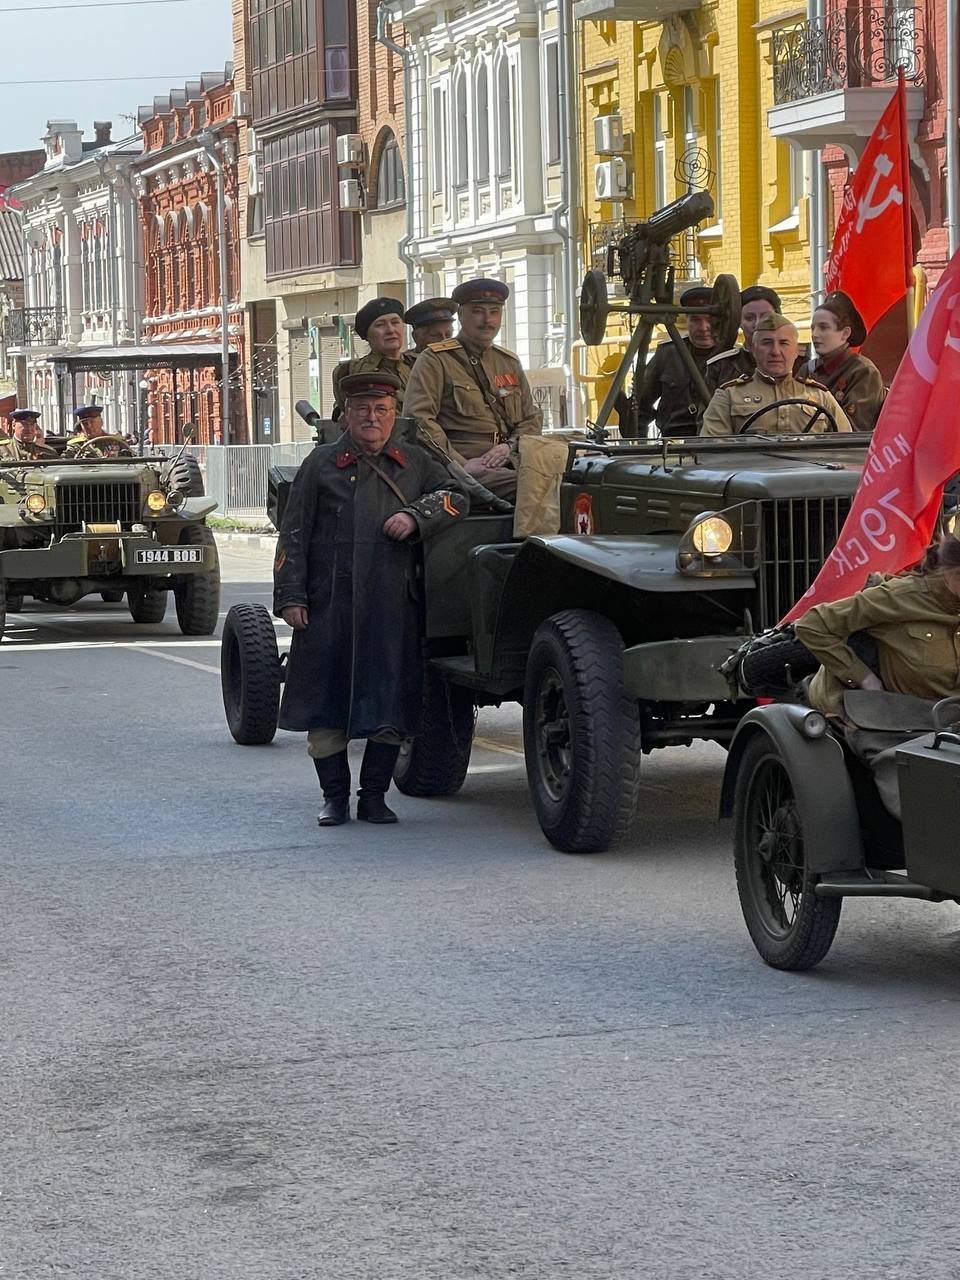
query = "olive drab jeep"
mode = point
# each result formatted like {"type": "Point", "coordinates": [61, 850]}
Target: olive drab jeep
{"type": "Point", "coordinates": [127, 526]}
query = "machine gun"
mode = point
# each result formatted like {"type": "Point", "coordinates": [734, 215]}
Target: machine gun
{"type": "Point", "coordinates": [643, 260]}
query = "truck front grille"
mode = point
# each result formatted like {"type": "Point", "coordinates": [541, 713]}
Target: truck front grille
{"type": "Point", "coordinates": [79, 504]}
{"type": "Point", "coordinates": [797, 535]}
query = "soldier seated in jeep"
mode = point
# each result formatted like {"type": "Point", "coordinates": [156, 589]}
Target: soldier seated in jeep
{"type": "Point", "coordinates": [26, 438]}
{"type": "Point", "coordinates": [92, 440]}
{"type": "Point", "coordinates": [772, 397]}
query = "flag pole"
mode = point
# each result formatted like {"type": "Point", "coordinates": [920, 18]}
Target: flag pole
{"type": "Point", "coordinates": [911, 298]}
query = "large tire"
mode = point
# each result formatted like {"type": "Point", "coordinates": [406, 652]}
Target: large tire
{"type": "Point", "coordinates": [435, 762]}
{"type": "Point", "coordinates": [250, 675]}
{"type": "Point", "coordinates": [186, 476]}
{"type": "Point", "coordinates": [790, 926]}
{"type": "Point", "coordinates": [198, 596]}
{"type": "Point", "coordinates": [114, 596]}
{"type": "Point", "coordinates": [581, 733]}
{"type": "Point", "coordinates": [146, 605]}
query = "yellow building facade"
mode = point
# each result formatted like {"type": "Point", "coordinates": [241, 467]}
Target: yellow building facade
{"type": "Point", "coordinates": [692, 93]}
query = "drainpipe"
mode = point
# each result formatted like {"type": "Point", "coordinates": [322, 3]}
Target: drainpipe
{"type": "Point", "coordinates": [207, 141]}
{"type": "Point", "coordinates": [818, 204]}
{"type": "Point", "coordinates": [952, 126]}
{"type": "Point", "coordinates": [570, 192]}
{"type": "Point", "coordinates": [406, 57]}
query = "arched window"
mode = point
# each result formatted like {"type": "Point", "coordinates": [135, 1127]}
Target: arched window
{"type": "Point", "coordinates": [483, 124]}
{"type": "Point", "coordinates": [390, 189]}
{"type": "Point", "coordinates": [462, 156]}
{"type": "Point", "coordinates": [504, 126]}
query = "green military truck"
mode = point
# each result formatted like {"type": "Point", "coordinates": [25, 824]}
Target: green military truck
{"type": "Point", "coordinates": [612, 633]}
{"type": "Point", "coordinates": [129, 526]}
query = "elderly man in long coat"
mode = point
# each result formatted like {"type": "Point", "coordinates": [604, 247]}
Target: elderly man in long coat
{"type": "Point", "coordinates": [344, 579]}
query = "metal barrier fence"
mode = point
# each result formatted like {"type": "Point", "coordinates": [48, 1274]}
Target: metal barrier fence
{"type": "Point", "coordinates": [236, 474]}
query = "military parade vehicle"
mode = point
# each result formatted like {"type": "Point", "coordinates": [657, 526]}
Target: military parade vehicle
{"type": "Point", "coordinates": [129, 527]}
{"type": "Point", "coordinates": [611, 634]}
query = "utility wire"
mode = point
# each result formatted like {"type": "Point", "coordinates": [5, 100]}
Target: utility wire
{"type": "Point", "coordinates": [98, 80]}
{"type": "Point", "coordinates": [89, 4]}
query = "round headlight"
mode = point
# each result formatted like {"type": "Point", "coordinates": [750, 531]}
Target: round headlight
{"type": "Point", "coordinates": [35, 502]}
{"type": "Point", "coordinates": [175, 498]}
{"type": "Point", "coordinates": [156, 500]}
{"type": "Point", "coordinates": [713, 536]}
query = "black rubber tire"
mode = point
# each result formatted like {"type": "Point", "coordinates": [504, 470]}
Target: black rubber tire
{"type": "Point", "coordinates": [112, 597]}
{"type": "Point", "coordinates": [435, 762]}
{"type": "Point", "coordinates": [790, 926]}
{"type": "Point", "coordinates": [250, 675]}
{"type": "Point", "coordinates": [186, 476]}
{"type": "Point", "coordinates": [14, 603]}
{"type": "Point", "coordinates": [763, 673]}
{"type": "Point", "coordinates": [586, 784]}
{"type": "Point", "coordinates": [198, 596]}
{"type": "Point", "coordinates": [146, 605]}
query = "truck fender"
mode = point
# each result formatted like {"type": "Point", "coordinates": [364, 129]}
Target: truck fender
{"type": "Point", "coordinates": [821, 784]}
{"type": "Point", "coordinates": [197, 508]}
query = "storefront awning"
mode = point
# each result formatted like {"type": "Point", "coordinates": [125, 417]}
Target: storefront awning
{"type": "Point", "coordinates": [160, 355]}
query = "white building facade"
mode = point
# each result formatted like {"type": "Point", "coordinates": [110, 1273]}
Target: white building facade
{"type": "Point", "coordinates": [486, 172]}
{"type": "Point", "coordinates": [83, 273]}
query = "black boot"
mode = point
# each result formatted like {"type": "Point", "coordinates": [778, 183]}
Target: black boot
{"type": "Point", "coordinates": [334, 775]}
{"type": "Point", "coordinates": [376, 773]}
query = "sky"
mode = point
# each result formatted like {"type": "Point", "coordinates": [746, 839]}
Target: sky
{"type": "Point", "coordinates": [159, 44]}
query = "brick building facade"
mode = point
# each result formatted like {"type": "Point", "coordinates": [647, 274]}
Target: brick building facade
{"type": "Point", "coordinates": [176, 183]}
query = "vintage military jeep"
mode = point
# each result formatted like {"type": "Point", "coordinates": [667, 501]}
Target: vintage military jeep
{"type": "Point", "coordinates": [810, 828]}
{"type": "Point", "coordinates": [610, 634]}
{"type": "Point", "coordinates": [114, 526]}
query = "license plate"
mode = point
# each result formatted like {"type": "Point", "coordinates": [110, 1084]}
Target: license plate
{"type": "Point", "coordinates": [169, 555]}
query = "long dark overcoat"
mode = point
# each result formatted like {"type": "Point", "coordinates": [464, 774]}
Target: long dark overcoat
{"type": "Point", "coordinates": [357, 665]}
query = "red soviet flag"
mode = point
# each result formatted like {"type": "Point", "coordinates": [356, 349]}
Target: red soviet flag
{"type": "Point", "coordinates": [872, 253]}
{"type": "Point", "coordinates": [914, 451]}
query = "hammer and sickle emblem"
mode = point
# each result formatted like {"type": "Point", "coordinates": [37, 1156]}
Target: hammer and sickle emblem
{"type": "Point", "coordinates": [866, 209]}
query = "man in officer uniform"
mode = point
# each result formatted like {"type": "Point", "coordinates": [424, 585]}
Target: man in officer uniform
{"type": "Point", "coordinates": [26, 438]}
{"type": "Point", "coordinates": [667, 380]}
{"type": "Point", "coordinates": [775, 347]}
{"type": "Point", "coordinates": [92, 440]}
{"type": "Point", "coordinates": [345, 580]}
{"type": "Point", "coordinates": [756, 302]}
{"type": "Point", "coordinates": [471, 397]}
{"type": "Point", "coordinates": [431, 321]}
{"type": "Point", "coordinates": [380, 324]}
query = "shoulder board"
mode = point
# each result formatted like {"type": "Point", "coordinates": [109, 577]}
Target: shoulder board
{"type": "Point", "coordinates": [812, 382]}
{"type": "Point", "coordinates": [449, 344]}
{"type": "Point", "coordinates": [723, 355]}
{"type": "Point", "coordinates": [738, 382]}
{"type": "Point", "coordinates": [504, 351]}
{"type": "Point", "coordinates": [76, 438]}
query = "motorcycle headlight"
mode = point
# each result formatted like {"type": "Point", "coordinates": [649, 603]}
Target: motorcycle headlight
{"type": "Point", "coordinates": [712, 536]}
{"type": "Point", "coordinates": [156, 501]}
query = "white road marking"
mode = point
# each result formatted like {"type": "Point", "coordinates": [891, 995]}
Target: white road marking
{"type": "Point", "coordinates": [11, 644]}
{"type": "Point", "coordinates": [184, 662]}
{"type": "Point", "coordinates": [496, 746]}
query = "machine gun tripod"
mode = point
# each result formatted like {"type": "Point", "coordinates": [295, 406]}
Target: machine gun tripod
{"type": "Point", "coordinates": [644, 262]}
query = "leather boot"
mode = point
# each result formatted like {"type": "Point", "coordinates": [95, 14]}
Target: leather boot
{"type": "Point", "coordinates": [376, 774]}
{"type": "Point", "coordinates": [334, 775]}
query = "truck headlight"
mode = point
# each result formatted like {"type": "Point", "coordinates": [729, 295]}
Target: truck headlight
{"type": "Point", "coordinates": [35, 503]}
{"type": "Point", "coordinates": [156, 501]}
{"type": "Point", "coordinates": [712, 536]}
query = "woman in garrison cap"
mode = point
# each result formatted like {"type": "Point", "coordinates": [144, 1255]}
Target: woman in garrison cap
{"type": "Point", "coordinates": [855, 382]}
{"type": "Point", "coordinates": [380, 324]}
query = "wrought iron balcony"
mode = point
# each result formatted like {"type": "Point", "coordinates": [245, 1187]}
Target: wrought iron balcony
{"type": "Point", "coordinates": [35, 327]}
{"type": "Point", "coordinates": [859, 48]}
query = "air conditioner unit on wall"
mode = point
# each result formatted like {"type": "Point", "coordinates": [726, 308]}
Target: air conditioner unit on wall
{"type": "Point", "coordinates": [608, 135]}
{"type": "Point", "coordinates": [349, 150]}
{"type": "Point", "coordinates": [351, 194]}
{"type": "Point", "coordinates": [610, 179]}
{"type": "Point", "coordinates": [242, 104]}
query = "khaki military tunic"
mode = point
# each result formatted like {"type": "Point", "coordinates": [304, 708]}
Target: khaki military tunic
{"type": "Point", "coordinates": [14, 450]}
{"type": "Point", "coordinates": [735, 402]}
{"type": "Point", "coordinates": [373, 363]}
{"type": "Point", "coordinates": [855, 383]}
{"type": "Point", "coordinates": [445, 397]}
{"type": "Point", "coordinates": [106, 446]}
{"type": "Point", "coordinates": [915, 619]}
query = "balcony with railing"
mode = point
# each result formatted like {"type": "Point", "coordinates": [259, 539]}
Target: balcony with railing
{"type": "Point", "coordinates": [35, 327]}
{"type": "Point", "coordinates": [833, 75]}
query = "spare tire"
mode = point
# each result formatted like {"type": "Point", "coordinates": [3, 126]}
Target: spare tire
{"type": "Point", "coordinates": [774, 663]}
{"type": "Point", "coordinates": [185, 475]}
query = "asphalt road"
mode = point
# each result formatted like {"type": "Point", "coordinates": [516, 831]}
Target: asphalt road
{"type": "Point", "coordinates": [234, 1045]}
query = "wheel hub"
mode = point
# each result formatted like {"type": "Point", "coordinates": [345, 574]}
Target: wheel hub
{"type": "Point", "coordinates": [553, 736]}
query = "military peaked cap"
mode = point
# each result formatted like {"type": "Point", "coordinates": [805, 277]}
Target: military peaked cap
{"type": "Point", "coordinates": [430, 310]}
{"type": "Point", "coordinates": [24, 415]}
{"type": "Point", "coordinates": [698, 295]}
{"type": "Point", "coordinates": [760, 293]}
{"type": "Point", "coordinates": [373, 310]}
{"type": "Point", "coordinates": [481, 291]}
{"type": "Point", "coordinates": [88, 411]}
{"type": "Point", "coordinates": [841, 305]}
{"type": "Point", "coordinates": [375, 383]}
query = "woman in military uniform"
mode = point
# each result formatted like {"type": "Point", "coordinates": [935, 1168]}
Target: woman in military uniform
{"type": "Point", "coordinates": [855, 382]}
{"type": "Point", "coordinates": [380, 324]}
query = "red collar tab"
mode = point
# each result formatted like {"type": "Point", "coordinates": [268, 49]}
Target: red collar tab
{"type": "Point", "coordinates": [346, 457]}
{"type": "Point", "coordinates": [833, 361]}
{"type": "Point", "coordinates": [396, 453]}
